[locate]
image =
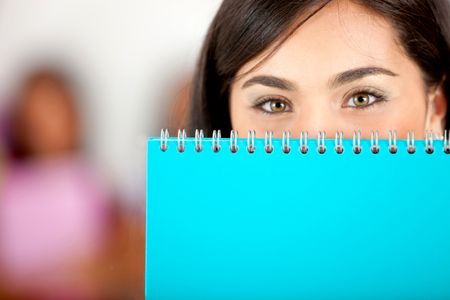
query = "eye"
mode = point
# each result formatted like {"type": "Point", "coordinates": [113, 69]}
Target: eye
{"type": "Point", "coordinates": [273, 105]}
{"type": "Point", "coordinates": [363, 99]}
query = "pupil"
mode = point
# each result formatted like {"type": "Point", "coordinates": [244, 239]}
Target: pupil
{"type": "Point", "coordinates": [361, 99]}
{"type": "Point", "coordinates": [278, 105]}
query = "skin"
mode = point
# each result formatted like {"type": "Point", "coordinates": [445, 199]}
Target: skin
{"type": "Point", "coordinates": [342, 70]}
{"type": "Point", "coordinates": [46, 120]}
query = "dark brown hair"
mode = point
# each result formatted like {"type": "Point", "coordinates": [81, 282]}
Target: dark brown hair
{"type": "Point", "coordinates": [243, 29]}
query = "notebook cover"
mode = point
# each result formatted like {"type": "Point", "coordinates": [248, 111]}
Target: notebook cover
{"type": "Point", "coordinates": [297, 226]}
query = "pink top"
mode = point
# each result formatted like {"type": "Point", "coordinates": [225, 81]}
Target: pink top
{"type": "Point", "coordinates": [53, 212]}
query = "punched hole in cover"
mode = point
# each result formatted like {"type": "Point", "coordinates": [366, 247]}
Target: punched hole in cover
{"type": "Point", "coordinates": [321, 149]}
{"type": "Point", "coordinates": [411, 149]}
{"type": "Point", "coordinates": [304, 149]}
{"type": "Point", "coordinates": [268, 149]}
{"type": "Point", "coordinates": [339, 149]}
{"type": "Point", "coordinates": [393, 149]}
{"type": "Point", "coordinates": [357, 149]}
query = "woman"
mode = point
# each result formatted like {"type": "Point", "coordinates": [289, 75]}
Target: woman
{"type": "Point", "coordinates": [55, 209]}
{"type": "Point", "coordinates": [330, 66]}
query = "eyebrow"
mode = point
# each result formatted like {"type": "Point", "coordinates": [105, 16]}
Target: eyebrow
{"type": "Point", "coordinates": [358, 73]}
{"type": "Point", "coordinates": [270, 81]}
{"type": "Point", "coordinates": [338, 80]}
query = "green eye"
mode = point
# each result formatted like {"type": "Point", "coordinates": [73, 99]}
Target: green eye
{"type": "Point", "coordinates": [361, 99]}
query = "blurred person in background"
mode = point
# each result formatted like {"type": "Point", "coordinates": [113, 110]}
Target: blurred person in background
{"type": "Point", "coordinates": [2, 163]}
{"type": "Point", "coordinates": [179, 105]}
{"type": "Point", "coordinates": [56, 213]}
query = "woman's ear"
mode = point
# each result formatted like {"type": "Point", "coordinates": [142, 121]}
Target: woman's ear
{"type": "Point", "coordinates": [436, 111]}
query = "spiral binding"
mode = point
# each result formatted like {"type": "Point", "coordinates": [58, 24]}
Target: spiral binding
{"type": "Point", "coordinates": [393, 141]}
{"type": "Point", "coordinates": [251, 141]}
{"type": "Point", "coordinates": [268, 147]}
{"type": "Point", "coordinates": [303, 145]}
{"type": "Point", "coordinates": [321, 148]}
{"type": "Point", "coordinates": [198, 140]}
{"type": "Point", "coordinates": [215, 140]}
{"type": "Point", "coordinates": [411, 148]}
{"type": "Point", "coordinates": [339, 146]}
{"type": "Point", "coordinates": [374, 142]}
{"type": "Point", "coordinates": [304, 142]}
{"type": "Point", "coordinates": [357, 142]}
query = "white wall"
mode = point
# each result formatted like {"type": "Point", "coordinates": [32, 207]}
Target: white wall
{"type": "Point", "coordinates": [127, 53]}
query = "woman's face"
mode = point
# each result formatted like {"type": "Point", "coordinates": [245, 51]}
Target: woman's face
{"type": "Point", "coordinates": [46, 120]}
{"type": "Point", "coordinates": [342, 70]}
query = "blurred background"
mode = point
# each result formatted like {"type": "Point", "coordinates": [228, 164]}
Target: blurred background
{"type": "Point", "coordinates": [83, 83]}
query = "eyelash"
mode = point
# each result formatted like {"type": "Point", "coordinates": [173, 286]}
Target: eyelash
{"type": "Point", "coordinates": [379, 97]}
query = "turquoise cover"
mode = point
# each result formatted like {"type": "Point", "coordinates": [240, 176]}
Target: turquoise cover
{"type": "Point", "coordinates": [297, 226]}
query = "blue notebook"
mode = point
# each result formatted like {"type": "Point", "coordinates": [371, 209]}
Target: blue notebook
{"type": "Point", "coordinates": [270, 218]}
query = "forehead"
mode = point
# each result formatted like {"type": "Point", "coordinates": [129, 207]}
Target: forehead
{"type": "Point", "coordinates": [341, 36]}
